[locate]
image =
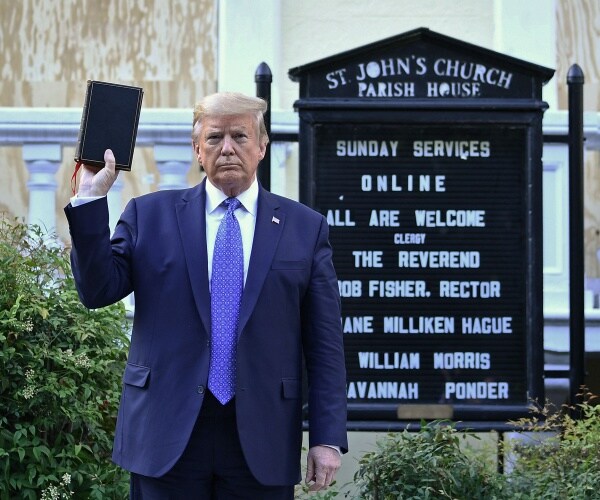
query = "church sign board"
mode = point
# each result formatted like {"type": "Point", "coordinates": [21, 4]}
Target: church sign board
{"type": "Point", "coordinates": [424, 154]}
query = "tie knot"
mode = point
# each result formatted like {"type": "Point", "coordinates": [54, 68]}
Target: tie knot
{"type": "Point", "coordinates": [232, 204]}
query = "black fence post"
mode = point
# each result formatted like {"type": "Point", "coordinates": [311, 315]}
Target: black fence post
{"type": "Point", "coordinates": [576, 253]}
{"type": "Point", "coordinates": [263, 79]}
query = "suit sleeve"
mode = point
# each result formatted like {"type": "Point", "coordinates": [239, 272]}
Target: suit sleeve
{"type": "Point", "coordinates": [101, 266]}
{"type": "Point", "coordinates": [324, 349]}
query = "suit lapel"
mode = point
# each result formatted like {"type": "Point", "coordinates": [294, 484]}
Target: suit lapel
{"type": "Point", "coordinates": [269, 227]}
{"type": "Point", "coordinates": [191, 219]}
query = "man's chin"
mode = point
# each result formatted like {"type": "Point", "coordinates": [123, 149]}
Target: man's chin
{"type": "Point", "coordinates": [233, 184]}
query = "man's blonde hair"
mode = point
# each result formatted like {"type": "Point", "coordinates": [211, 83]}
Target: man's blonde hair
{"type": "Point", "coordinates": [230, 103]}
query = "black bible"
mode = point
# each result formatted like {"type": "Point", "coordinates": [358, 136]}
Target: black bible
{"type": "Point", "coordinates": [110, 119]}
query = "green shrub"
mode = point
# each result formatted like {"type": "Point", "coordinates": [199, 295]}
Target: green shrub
{"type": "Point", "coordinates": [61, 366]}
{"type": "Point", "coordinates": [560, 461]}
{"type": "Point", "coordinates": [565, 465]}
{"type": "Point", "coordinates": [426, 464]}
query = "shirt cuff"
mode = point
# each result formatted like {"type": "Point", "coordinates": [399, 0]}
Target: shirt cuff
{"type": "Point", "coordinates": [82, 200]}
{"type": "Point", "coordinates": [336, 448]}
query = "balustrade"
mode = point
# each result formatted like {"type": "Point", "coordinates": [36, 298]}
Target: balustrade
{"type": "Point", "coordinates": [44, 133]}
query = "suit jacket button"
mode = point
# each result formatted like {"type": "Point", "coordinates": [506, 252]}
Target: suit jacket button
{"type": "Point", "coordinates": [200, 389]}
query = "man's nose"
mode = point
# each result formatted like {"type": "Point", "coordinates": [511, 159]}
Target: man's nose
{"type": "Point", "coordinates": [227, 148]}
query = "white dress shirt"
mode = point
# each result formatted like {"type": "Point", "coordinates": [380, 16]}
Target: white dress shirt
{"type": "Point", "coordinates": [246, 216]}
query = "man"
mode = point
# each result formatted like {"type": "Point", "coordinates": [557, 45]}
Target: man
{"type": "Point", "coordinates": [202, 416]}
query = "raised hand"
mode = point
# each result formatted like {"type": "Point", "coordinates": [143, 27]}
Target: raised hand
{"type": "Point", "coordinates": [98, 181]}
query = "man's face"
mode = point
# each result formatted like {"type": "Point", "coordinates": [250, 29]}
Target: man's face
{"type": "Point", "coordinates": [229, 150]}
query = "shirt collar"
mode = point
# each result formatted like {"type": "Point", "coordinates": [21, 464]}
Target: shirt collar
{"type": "Point", "coordinates": [248, 198]}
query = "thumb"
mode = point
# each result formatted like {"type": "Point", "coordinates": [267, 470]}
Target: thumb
{"type": "Point", "coordinates": [310, 470]}
{"type": "Point", "coordinates": [109, 161]}
{"type": "Point", "coordinates": [106, 177]}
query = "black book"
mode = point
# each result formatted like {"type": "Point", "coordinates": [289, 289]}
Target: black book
{"type": "Point", "coordinates": [110, 119]}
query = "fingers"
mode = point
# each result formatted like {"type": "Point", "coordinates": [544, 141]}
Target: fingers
{"type": "Point", "coordinates": [321, 467]}
{"type": "Point", "coordinates": [97, 182]}
{"type": "Point", "coordinates": [322, 480]}
{"type": "Point", "coordinates": [86, 180]}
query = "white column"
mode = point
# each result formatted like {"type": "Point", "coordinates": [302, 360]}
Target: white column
{"type": "Point", "coordinates": [115, 202]}
{"type": "Point", "coordinates": [173, 163]}
{"type": "Point", "coordinates": [249, 33]}
{"type": "Point", "coordinates": [43, 161]}
{"type": "Point", "coordinates": [527, 30]}
{"type": "Point", "coordinates": [556, 227]}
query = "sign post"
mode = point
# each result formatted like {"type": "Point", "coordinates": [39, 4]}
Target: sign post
{"type": "Point", "coordinates": [424, 154]}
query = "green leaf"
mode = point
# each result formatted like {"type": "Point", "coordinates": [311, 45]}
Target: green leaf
{"type": "Point", "coordinates": [31, 475]}
{"type": "Point", "coordinates": [40, 318]}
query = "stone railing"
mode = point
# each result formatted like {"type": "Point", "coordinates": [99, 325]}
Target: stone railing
{"type": "Point", "coordinates": [43, 132]}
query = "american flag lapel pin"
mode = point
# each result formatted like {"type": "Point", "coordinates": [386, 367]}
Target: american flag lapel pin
{"type": "Point", "coordinates": [275, 220]}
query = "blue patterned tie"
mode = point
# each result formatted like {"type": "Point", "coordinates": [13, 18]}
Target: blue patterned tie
{"type": "Point", "coordinates": [227, 283]}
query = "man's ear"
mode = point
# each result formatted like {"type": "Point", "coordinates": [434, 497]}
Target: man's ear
{"type": "Point", "coordinates": [196, 148]}
{"type": "Point", "coordinates": [263, 149]}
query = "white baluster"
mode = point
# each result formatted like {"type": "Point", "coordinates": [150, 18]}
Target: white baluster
{"type": "Point", "coordinates": [43, 161]}
{"type": "Point", "coordinates": [173, 162]}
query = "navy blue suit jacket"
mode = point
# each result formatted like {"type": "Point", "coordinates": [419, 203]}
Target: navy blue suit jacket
{"type": "Point", "coordinates": [290, 307]}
